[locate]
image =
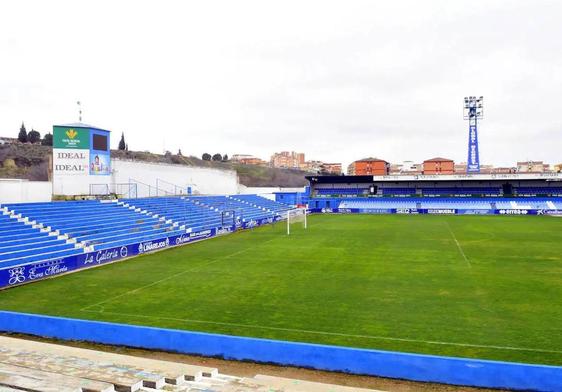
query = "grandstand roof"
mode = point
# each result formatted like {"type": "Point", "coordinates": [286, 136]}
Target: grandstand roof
{"type": "Point", "coordinates": [435, 178]}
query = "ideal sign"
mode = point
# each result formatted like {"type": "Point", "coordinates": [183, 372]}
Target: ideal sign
{"type": "Point", "coordinates": [70, 162]}
{"type": "Point", "coordinates": [71, 151]}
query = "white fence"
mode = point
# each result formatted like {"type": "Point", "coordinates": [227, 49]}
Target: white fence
{"type": "Point", "coordinates": [23, 191]}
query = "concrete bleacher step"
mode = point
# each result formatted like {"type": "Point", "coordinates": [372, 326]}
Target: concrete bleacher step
{"type": "Point", "coordinates": [213, 385]}
{"type": "Point", "coordinates": [37, 227]}
{"type": "Point", "coordinates": [189, 386]}
{"type": "Point", "coordinates": [122, 378]}
{"type": "Point", "coordinates": [29, 379]}
{"type": "Point", "coordinates": [127, 372]}
{"type": "Point", "coordinates": [260, 383]}
{"type": "Point", "coordinates": [44, 367]}
{"type": "Point", "coordinates": [8, 389]}
{"type": "Point", "coordinates": [293, 385]}
{"type": "Point", "coordinates": [208, 388]}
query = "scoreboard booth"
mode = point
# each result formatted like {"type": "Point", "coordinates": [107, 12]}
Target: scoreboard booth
{"type": "Point", "coordinates": [81, 156]}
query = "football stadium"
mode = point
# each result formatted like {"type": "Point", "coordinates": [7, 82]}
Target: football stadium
{"type": "Point", "coordinates": [146, 269]}
{"type": "Point", "coordinates": [443, 278]}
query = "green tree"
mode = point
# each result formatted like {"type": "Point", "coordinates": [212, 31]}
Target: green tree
{"type": "Point", "coordinates": [47, 140]}
{"type": "Point", "coordinates": [22, 136]}
{"type": "Point", "coordinates": [225, 158]}
{"type": "Point", "coordinates": [206, 156]}
{"type": "Point", "coordinates": [122, 144]}
{"type": "Point", "coordinates": [217, 157]}
{"type": "Point", "coordinates": [33, 136]}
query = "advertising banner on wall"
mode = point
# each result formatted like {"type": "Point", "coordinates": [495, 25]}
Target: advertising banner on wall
{"type": "Point", "coordinates": [100, 163]}
{"type": "Point", "coordinates": [71, 151]}
{"type": "Point", "coordinates": [68, 162]}
{"type": "Point", "coordinates": [71, 137]}
{"type": "Point", "coordinates": [432, 211]}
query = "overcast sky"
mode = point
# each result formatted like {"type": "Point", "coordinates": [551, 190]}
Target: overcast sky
{"type": "Point", "coordinates": [337, 80]}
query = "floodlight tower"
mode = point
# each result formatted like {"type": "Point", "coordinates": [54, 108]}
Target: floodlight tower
{"type": "Point", "coordinates": [473, 111]}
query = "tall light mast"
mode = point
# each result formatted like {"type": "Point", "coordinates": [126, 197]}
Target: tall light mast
{"type": "Point", "coordinates": [473, 110]}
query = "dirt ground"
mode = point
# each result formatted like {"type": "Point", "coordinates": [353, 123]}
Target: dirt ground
{"type": "Point", "coordinates": [250, 369]}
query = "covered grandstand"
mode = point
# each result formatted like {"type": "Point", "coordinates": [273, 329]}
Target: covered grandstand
{"type": "Point", "coordinates": [529, 193]}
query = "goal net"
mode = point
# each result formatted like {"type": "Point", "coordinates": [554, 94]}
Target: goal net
{"type": "Point", "coordinates": [296, 215]}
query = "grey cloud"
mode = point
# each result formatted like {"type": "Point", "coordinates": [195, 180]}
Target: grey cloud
{"type": "Point", "coordinates": [337, 80]}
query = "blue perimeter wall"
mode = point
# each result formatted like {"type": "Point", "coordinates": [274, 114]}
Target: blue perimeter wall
{"type": "Point", "coordinates": [434, 211]}
{"type": "Point", "coordinates": [417, 367]}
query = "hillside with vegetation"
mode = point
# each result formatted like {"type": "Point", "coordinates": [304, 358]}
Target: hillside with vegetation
{"type": "Point", "coordinates": [25, 161]}
{"type": "Point", "coordinates": [32, 161]}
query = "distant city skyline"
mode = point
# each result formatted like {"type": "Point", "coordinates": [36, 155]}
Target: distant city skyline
{"type": "Point", "coordinates": [297, 160]}
{"type": "Point", "coordinates": [513, 164]}
{"type": "Point", "coordinates": [344, 81]}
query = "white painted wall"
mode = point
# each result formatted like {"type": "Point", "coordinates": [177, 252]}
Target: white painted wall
{"type": "Point", "coordinates": [146, 175]}
{"type": "Point", "coordinates": [202, 180]}
{"type": "Point", "coordinates": [76, 184]}
{"type": "Point", "coordinates": [150, 177]}
{"type": "Point", "coordinates": [23, 191]}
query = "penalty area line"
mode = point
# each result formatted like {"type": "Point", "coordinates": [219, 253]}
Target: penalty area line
{"type": "Point", "coordinates": [458, 245]}
{"type": "Point", "coordinates": [216, 260]}
{"type": "Point", "coordinates": [372, 337]}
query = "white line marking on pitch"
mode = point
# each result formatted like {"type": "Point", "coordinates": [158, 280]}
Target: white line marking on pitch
{"type": "Point", "coordinates": [171, 276]}
{"type": "Point", "coordinates": [328, 333]}
{"type": "Point", "coordinates": [458, 244]}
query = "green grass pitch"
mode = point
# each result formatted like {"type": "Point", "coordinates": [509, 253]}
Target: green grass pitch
{"type": "Point", "coordinates": [471, 286]}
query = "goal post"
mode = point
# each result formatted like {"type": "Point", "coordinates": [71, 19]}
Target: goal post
{"type": "Point", "coordinates": [296, 215]}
